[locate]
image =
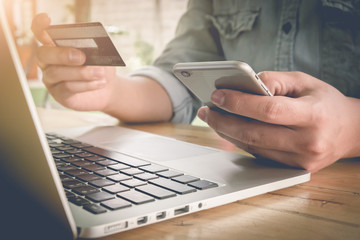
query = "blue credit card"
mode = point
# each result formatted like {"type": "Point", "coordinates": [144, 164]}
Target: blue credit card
{"type": "Point", "coordinates": [91, 38]}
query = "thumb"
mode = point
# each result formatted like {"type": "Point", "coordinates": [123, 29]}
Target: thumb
{"type": "Point", "coordinates": [291, 84]}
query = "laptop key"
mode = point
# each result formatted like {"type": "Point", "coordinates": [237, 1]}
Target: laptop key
{"type": "Point", "coordinates": [169, 174]}
{"type": "Point", "coordinates": [154, 168]}
{"type": "Point", "coordinates": [118, 167]}
{"type": "Point", "coordinates": [116, 188]}
{"type": "Point", "coordinates": [88, 177]}
{"type": "Point", "coordinates": [63, 155]}
{"type": "Point", "coordinates": [136, 197]}
{"type": "Point", "coordinates": [79, 201]}
{"type": "Point", "coordinates": [106, 162]}
{"type": "Point", "coordinates": [70, 141]}
{"type": "Point", "coordinates": [64, 148]}
{"type": "Point", "coordinates": [106, 172]}
{"type": "Point", "coordinates": [81, 145]}
{"type": "Point", "coordinates": [69, 194]}
{"type": "Point", "coordinates": [94, 208]}
{"type": "Point", "coordinates": [94, 167]}
{"type": "Point", "coordinates": [133, 183]}
{"type": "Point", "coordinates": [81, 163]}
{"type": "Point", "coordinates": [76, 172]}
{"type": "Point", "coordinates": [66, 168]}
{"type": "Point", "coordinates": [54, 152]}
{"type": "Point", "coordinates": [132, 171]}
{"type": "Point", "coordinates": [71, 159]}
{"type": "Point", "coordinates": [85, 190]}
{"type": "Point", "coordinates": [173, 186]}
{"type": "Point", "coordinates": [146, 176]}
{"type": "Point", "coordinates": [156, 192]}
{"type": "Point", "coordinates": [72, 184]}
{"type": "Point", "coordinates": [203, 184]}
{"type": "Point", "coordinates": [55, 145]}
{"type": "Point", "coordinates": [84, 155]}
{"type": "Point", "coordinates": [100, 196]}
{"type": "Point", "coordinates": [185, 179]}
{"type": "Point", "coordinates": [101, 183]}
{"type": "Point", "coordinates": [95, 158]}
{"type": "Point", "coordinates": [64, 178]}
{"type": "Point", "coordinates": [116, 203]}
{"type": "Point", "coordinates": [131, 161]}
{"type": "Point", "coordinates": [119, 177]}
{"type": "Point", "coordinates": [73, 150]}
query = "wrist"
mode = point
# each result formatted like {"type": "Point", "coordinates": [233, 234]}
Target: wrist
{"type": "Point", "coordinates": [353, 129]}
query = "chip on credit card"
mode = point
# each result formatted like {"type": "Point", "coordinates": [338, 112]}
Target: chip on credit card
{"type": "Point", "coordinates": [91, 38]}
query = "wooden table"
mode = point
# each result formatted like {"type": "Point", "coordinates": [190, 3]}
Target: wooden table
{"type": "Point", "coordinates": [327, 207]}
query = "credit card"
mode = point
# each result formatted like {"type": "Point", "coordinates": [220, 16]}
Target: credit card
{"type": "Point", "coordinates": [91, 38]}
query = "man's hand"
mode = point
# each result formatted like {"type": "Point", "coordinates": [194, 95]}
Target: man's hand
{"type": "Point", "coordinates": [307, 123]}
{"type": "Point", "coordinates": [95, 88]}
{"type": "Point", "coordinates": [73, 85]}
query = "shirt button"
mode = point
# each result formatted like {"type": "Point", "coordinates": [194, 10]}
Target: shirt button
{"type": "Point", "coordinates": [286, 27]}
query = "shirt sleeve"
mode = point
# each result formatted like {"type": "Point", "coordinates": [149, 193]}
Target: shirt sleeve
{"type": "Point", "coordinates": [195, 40]}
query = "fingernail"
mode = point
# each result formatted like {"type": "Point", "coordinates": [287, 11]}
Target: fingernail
{"type": "Point", "coordinates": [218, 97]}
{"type": "Point", "coordinates": [202, 114]}
{"type": "Point", "coordinates": [75, 56]}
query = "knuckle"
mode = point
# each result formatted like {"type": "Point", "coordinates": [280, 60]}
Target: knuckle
{"type": "Point", "coordinates": [67, 86]}
{"type": "Point", "coordinates": [85, 72]}
{"type": "Point", "coordinates": [264, 75]}
{"type": "Point", "coordinates": [212, 122]}
{"type": "Point", "coordinates": [49, 74]}
{"type": "Point", "coordinates": [233, 103]}
{"type": "Point", "coordinates": [63, 55]}
{"type": "Point", "coordinates": [319, 116]}
{"type": "Point", "coordinates": [316, 147]}
{"type": "Point", "coordinates": [237, 105]}
{"type": "Point", "coordinates": [247, 137]}
{"type": "Point", "coordinates": [40, 53]}
{"type": "Point", "coordinates": [272, 110]}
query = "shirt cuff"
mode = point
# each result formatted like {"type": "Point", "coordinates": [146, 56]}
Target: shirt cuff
{"type": "Point", "coordinates": [182, 102]}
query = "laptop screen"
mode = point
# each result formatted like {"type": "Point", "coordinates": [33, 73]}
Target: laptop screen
{"type": "Point", "coordinates": [26, 165]}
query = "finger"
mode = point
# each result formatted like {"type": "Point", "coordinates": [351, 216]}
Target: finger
{"type": "Point", "coordinates": [252, 132]}
{"type": "Point", "coordinates": [288, 158]}
{"type": "Point", "coordinates": [56, 74]}
{"type": "Point", "coordinates": [291, 84]}
{"type": "Point", "coordinates": [279, 110]}
{"type": "Point", "coordinates": [60, 56]}
{"type": "Point", "coordinates": [288, 107]}
{"type": "Point", "coordinates": [38, 26]}
{"type": "Point", "coordinates": [75, 87]}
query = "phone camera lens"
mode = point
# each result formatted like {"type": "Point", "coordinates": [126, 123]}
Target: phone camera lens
{"type": "Point", "coordinates": [185, 74]}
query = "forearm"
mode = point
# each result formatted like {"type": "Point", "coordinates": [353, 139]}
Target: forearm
{"type": "Point", "coordinates": [139, 99]}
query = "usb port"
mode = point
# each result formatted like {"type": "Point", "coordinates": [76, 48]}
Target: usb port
{"type": "Point", "coordinates": [160, 215]}
{"type": "Point", "coordinates": [181, 210]}
{"type": "Point", "coordinates": [142, 220]}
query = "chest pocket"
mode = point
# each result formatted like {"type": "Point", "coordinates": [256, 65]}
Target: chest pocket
{"type": "Point", "coordinates": [233, 18]}
{"type": "Point", "coordinates": [340, 52]}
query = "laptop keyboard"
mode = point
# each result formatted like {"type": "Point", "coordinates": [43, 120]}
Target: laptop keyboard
{"type": "Point", "coordinates": [100, 180]}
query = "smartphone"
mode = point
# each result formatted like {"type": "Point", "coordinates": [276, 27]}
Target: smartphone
{"type": "Point", "coordinates": [203, 78]}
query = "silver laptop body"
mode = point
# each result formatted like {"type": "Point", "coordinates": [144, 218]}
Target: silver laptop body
{"type": "Point", "coordinates": [237, 176]}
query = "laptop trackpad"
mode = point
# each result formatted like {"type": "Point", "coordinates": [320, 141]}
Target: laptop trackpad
{"type": "Point", "coordinates": [144, 145]}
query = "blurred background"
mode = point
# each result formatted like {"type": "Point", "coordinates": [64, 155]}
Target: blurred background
{"type": "Point", "coordinates": [139, 29]}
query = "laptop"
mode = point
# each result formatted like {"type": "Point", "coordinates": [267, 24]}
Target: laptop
{"type": "Point", "coordinates": [95, 181]}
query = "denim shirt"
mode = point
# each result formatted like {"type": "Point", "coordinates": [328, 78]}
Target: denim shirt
{"type": "Point", "coordinates": [318, 37]}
